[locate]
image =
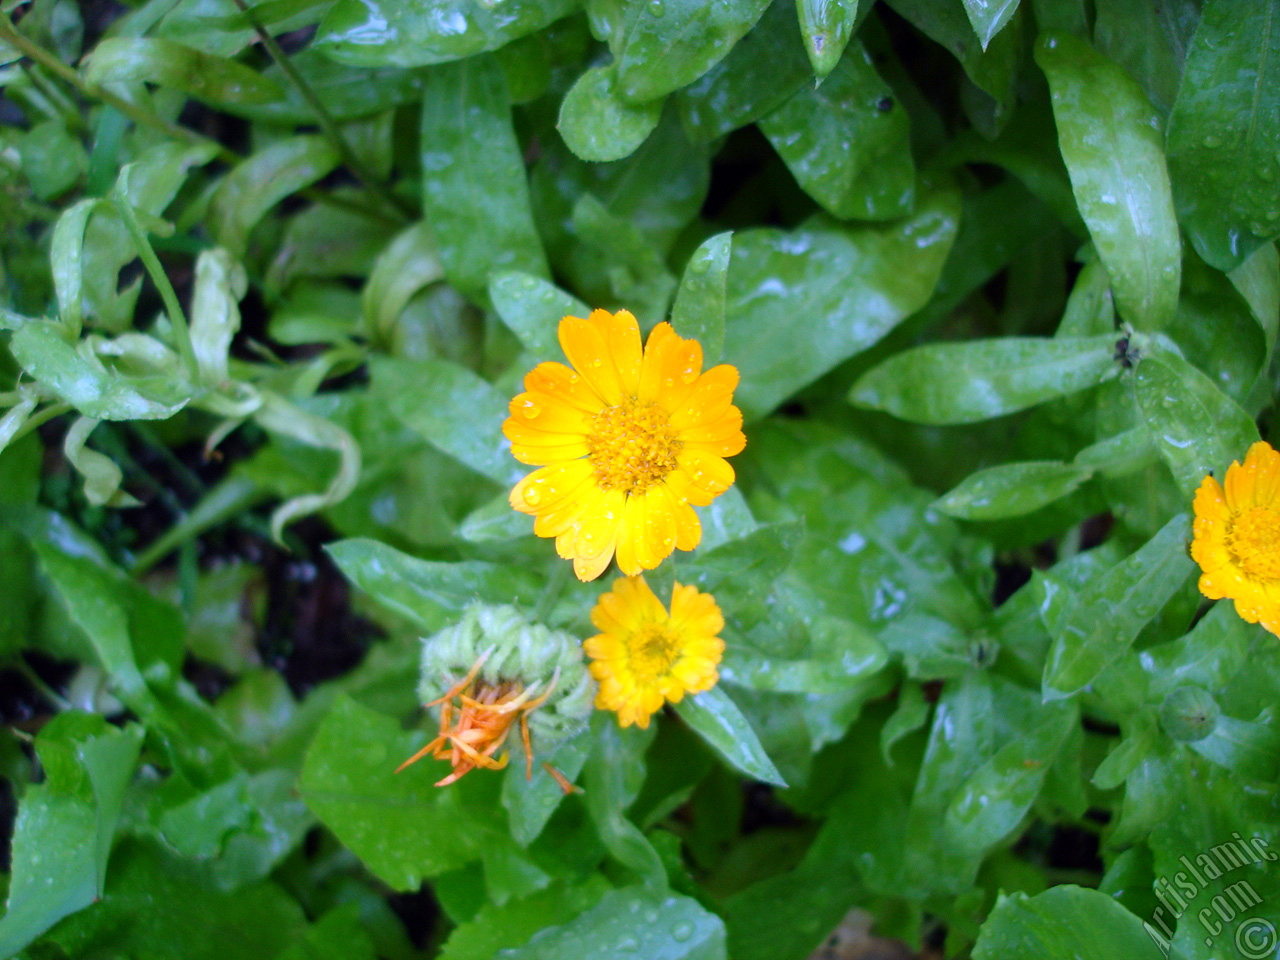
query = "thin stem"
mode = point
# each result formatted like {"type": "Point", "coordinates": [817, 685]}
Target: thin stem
{"type": "Point", "coordinates": [181, 332]}
{"type": "Point", "coordinates": [357, 166]}
{"type": "Point", "coordinates": [60, 702]}
{"type": "Point", "coordinates": [39, 418]}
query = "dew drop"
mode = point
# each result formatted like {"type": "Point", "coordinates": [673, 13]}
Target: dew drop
{"type": "Point", "coordinates": [682, 932]}
{"type": "Point", "coordinates": [1212, 141]}
{"type": "Point", "coordinates": [656, 8]}
{"type": "Point", "coordinates": [688, 374]}
{"type": "Point", "coordinates": [530, 408]}
{"type": "Point", "coordinates": [531, 496]}
{"type": "Point", "coordinates": [629, 945]}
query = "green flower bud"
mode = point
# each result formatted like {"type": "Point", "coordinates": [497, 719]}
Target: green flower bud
{"type": "Point", "coordinates": [1189, 714]}
{"type": "Point", "coordinates": [518, 652]}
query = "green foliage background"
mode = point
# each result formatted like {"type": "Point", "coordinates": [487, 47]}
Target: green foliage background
{"type": "Point", "coordinates": [1001, 282]}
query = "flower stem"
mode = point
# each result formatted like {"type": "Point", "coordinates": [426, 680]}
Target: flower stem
{"type": "Point", "coordinates": [177, 318]}
{"type": "Point", "coordinates": [357, 166]}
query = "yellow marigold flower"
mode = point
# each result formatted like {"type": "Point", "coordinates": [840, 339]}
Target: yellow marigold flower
{"type": "Point", "coordinates": [628, 441]}
{"type": "Point", "coordinates": [644, 656]}
{"type": "Point", "coordinates": [1237, 537]}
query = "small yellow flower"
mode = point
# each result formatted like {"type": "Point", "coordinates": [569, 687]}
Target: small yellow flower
{"type": "Point", "coordinates": [628, 441]}
{"type": "Point", "coordinates": [644, 656]}
{"type": "Point", "coordinates": [1237, 537]}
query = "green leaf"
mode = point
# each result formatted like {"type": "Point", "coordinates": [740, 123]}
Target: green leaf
{"type": "Point", "coordinates": [76, 375]}
{"type": "Point", "coordinates": [409, 263]}
{"type": "Point", "coordinates": [402, 827]}
{"type": "Point", "coordinates": [257, 184]}
{"type": "Point", "coordinates": [1258, 281]}
{"type": "Point", "coordinates": [384, 33]}
{"type": "Point", "coordinates": [762, 70]}
{"type": "Point", "coordinates": [989, 17]}
{"type": "Point", "coordinates": [1011, 490]}
{"type": "Point", "coordinates": [991, 803]}
{"type": "Point", "coordinates": [532, 309]}
{"type": "Point", "coordinates": [475, 191]}
{"type": "Point", "coordinates": [827, 26]}
{"type": "Point", "coordinates": [514, 924]}
{"type": "Point", "coordinates": [430, 593]}
{"type": "Point", "coordinates": [613, 775]}
{"type": "Point", "coordinates": [1109, 135]}
{"type": "Point", "coordinates": [700, 301]}
{"type": "Point", "coordinates": [102, 477]}
{"type": "Point", "coordinates": [205, 77]}
{"type": "Point", "coordinates": [221, 284]}
{"type": "Point", "coordinates": [65, 827]}
{"type": "Point", "coordinates": [52, 159]}
{"type": "Point", "coordinates": [347, 92]}
{"type": "Point", "coordinates": [717, 719]}
{"type": "Point", "coordinates": [993, 70]}
{"type": "Point", "coordinates": [597, 124]}
{"type": "Point", "coordinates": [847, 142]}
{"type": "Point", "coordinates": [1224, 132]}
{"type": "Point", "coordinates": [804, 300]}
{"type": "Point", "coordinates": [530, 803]}
{"type": "Point", "coordinates": [1106, 615]}
{"type": "Point", "coordinates": [1066, 921]}
{"type": "Point", "coordinates": [942, 383]}
{"type": "Point", "coordinates": [454, 409]}
{"type": "Point", "coordinates": [1196, 427]}
{"type": "Point", "coordinates": [635, 922]}
{"type": "Point", "coordinates": [661, 47]}
{"type": "Point", "coordinates": [279, 416]}
{"type": "Point", "coordinates": [157, 905]}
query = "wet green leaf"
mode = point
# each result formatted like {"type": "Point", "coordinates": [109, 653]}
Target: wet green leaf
{"type": "Point", "coordinates": [221, 283]}
{"type": "Point", "coordinates": [966, 382]}
{"type": "Point", "coordinates": [454, 409]}
{"type": "Point", "coordinates": [992, 69]}
{"type": "Point", "coordinates": [1110, 139]}
{"type": "Point", "coordinates": [1012, 489]}
{"type": "Point", "coordinates": [803, 300]}
{"type": "Point", "coordinates": [401, 826]}
{"type": "Point", "coordinates": [1224, 132]}
{"type": "Point", "coordinates": [203, 76]}
{"type": "Point", "coordinates": [612, 778]}
{"type": "Point", "coordinates": [826, 26]}
{"type": "Point", "coordinates": [65, 827]}
{"type": "Point", "coordinates": [475, 192]}
{"type": "Point", "coordinates": [1105, 616]}
{"type": "Point", "coordinates": [80, 378]}
{"type": "Point", "coordinates": [762, 70]}
{"type": "Point", "coordinates": [846, 142]}
{"type": "Point", "coordinates": [674, 928]}
{"type": "Point", "coordinates": [530, 803]}
{"type": "Point", "coordinates": [663, 46]}
{"type": "Point", "coordinates": [377, 33]}
{"type": "Point", "coordinates": [102, 477]}
{"type": "Point", "coordinates": [717, 719]}
{"type": "Point", "coordinates": [1067, 921]}
{"type": "Point", "coordinates": [989, 17]}
{"type": "Point", "coordinates": [409, 263]}
{"type": "Point", "coordinates": [598, 124]}
{"type": "Point", "coordinates": [257, 184]}
{"type": "Point", "coordinates": [1196, 427]}
{"type": "Point", "coordinates": [700, 302]}
{"type": "Point", "coordinates": [430, 593]}
{"type": "Point", "coordinates": [532, 309]}
{"type": "Point", "coordinates": [515, 923]}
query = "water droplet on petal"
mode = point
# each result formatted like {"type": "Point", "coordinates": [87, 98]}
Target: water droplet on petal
{"type": "Point", "coordinates": [688, 374]}
{"type": "Point", "coordinates": [532, 496]}
{"type": "Point", "coordinates": [530, 408]}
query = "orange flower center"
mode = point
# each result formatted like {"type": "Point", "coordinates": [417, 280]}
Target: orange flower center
{"type": "Point", "coordinates": [1254, 541]}
{"type": "Point", "coordinates": [652, 650]}
{"type": "Point", "coordinates": [632, 446]}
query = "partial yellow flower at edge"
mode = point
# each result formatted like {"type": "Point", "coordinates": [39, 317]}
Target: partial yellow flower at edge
{"type": "Point", "coordinates": [628, 440]}
{"type": "Point", "coordinates": [644, 657]}
{"type": "Point", "coordinates": [1237, 537]}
